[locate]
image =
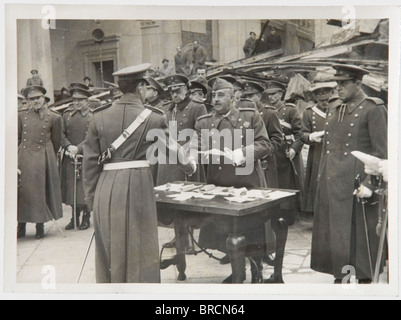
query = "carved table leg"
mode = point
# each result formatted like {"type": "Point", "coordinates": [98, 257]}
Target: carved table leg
{"type": "Point", "coordinates": [180, 236]}
{"type": "Point", "coordinates": [236, 246]}
{"type": "Point", "coordinates": [280, 227]}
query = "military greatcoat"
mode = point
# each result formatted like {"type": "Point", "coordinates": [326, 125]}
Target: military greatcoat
{"type": "Point", "coordinates": [225, 174]}
{"type": "Point", "coordinates": [339, 234]}
{"type": "Point", "coordinates": [75, 128]}
{"type": "Point", "coordinates": [39, 139]}
{"type": "Point", "coordinates": [313, 120]}
{"type": "Point", "coordinates": [123, 201]}
{"type": "Point", "coordinates": [181, 117]}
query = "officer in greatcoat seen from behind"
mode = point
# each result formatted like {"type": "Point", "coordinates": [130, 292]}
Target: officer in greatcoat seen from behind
{"type": "Point", "coordinates": [119, 185]}
{"type": "Point", "coordinates": [39, 139]}
{"type": "Point", "coordinates": [76, 121]}
{"type": "Point", "coordinates": [344, 228]}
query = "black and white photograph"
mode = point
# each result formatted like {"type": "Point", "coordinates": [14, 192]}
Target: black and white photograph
{"type": "Point", "coordinates": [248, 151]}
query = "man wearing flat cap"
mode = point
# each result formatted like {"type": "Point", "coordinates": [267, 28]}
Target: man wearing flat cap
{"type": "Point", "coordinates": [35, 79]}
{"type": "Point", "coordinates": [39, 139]}
{"type": "Point", "coordinates": [344, 230]}
{"type": "Point", "coordinates": [226, 118]}
{"type": "Point", "coordinates": [313, 125]}
{"type": "Point", "coordinates": [76, 121]}
{"type": "Point", "coordinates": [118, 182]}
{"type": "Point", "coordinates": [289, 161]}
{"type": "Point", "coordinates": [166, 70]}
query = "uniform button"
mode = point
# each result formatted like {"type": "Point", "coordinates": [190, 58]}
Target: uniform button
{"type": "Point", "coordinates": [327, 133]}
{"type": "Point", "coordinates": [327, 123]}
{"type": "Point", "coordinates": [361, 107]}
{"type": "Point", "coordinates": [328, 152]}
{"type": "Point", "coordinates": [44, 127]}
{"type": "Point", "coordinates": [313, 122]}
{"type": "Point", "coordinates": [220, 168]}
{"type": "Point", "coordinates": [239, 120]}
{"type": "Point", "coordinates": [328, 142]}
{"type": "Point", "coordinates": [184, 115]}
{"type": "Point", "coordinates": [26, 118]}
{"type": "Point", "coordinates": [352, 124]}
{"type": "Point", "coordinates": [349, 135]}
{"type": "Point", "coordinates": [38, 147]}
{"type": "Point", "coordinates": [346, 154]}
{"type": "Point", "coordinates": [314, 128]}
{"type": "Point", "coordinates": [24, 125]}
{"type": "Point", "coordinates": [24, 147]}
{"type": "Point", "coordinates": [24, 140]}
{"type": "Point", "coordinates": [329, 114]}
{"type": "Point", "coordinates": [24, 132]}
{"type": "Point", "coordinates": [357, 115]}
{"type": "Point", "coordinates": [43, 134]}
{"type": "Point", "coordinates": [261, 113]}
{"type": "Point", "coordinates": [41, 141]}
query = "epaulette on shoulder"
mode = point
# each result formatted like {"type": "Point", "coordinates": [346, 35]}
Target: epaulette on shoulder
{"type": "Point", "coordinates": [290, 105]}
{"type": "Point", "coordinates": [270, 107]}
{"type": "Point", "coordinates": [55, 112]}
{"type": "Point", "coordinates": [377, 101]}
{"type": "Point", "coordinates": [247, 109]}
{"type": "Point", "coordinates": [309, 107]}
{"type": "Point", "coordinates": [198, 101]}
{"type": "Point", "coordinates": [101, 108]}
{"type": "Point", "coordinates": [155, 110]}
{"type": "Point", "coordinates": [246, 99]}
{"type": "Point", "coordinates": [23, 109]}
{"type": "Point", "coordinates": [204, 117]}
{"type": "Point", "coordinates": [70, 108]}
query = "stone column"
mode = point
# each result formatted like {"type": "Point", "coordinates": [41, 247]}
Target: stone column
{"type": "Point", "coordinates": [34, 52]}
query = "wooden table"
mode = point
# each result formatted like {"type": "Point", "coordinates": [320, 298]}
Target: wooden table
{"type": "Point", "coordinates": [230, 218]}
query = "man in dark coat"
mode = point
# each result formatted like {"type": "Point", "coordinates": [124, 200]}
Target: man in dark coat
{"type": "Point", "coordinates": [180, 61]}
{"type": "Point", "coordinates": [226, 118]}
{"type": "Point", "coordinates": [181, 114]}
{"type": "Point", "coordinates": [121, 192]}
{"type": "Point", "coordinates": [289, 161]}
{"type": "Point", "coordinates": [76, 121]}
{"type": "Point", "coordinates": [313, 124]}
{"type": "Point", "coordinates": [255, 93]}
{"type": "Point", "coordinates": [249, 46]}
{"type": "Point", "coordinates": [197, 57]}
{"type": "Point", "coordinates": [39, 139]}
{"type": "Point", "coordinates": [342, 230]}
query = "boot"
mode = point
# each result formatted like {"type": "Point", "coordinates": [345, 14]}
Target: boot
{"type": "Point", "coordinates": [71, 225]}
{"type": "Point", "coordinates": [21, 231]}
{"type": "Point", "coordinates": [256, 270]}
{"type": "Point", "coordinates": [85, 221]}
{"type": "Point", "coordinates": [40, 231]}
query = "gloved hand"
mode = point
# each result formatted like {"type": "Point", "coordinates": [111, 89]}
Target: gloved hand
{"type": "Point", "coordinates": [364, 192]}
{"type": "Point", "coordinates": [236, 156]}
{"type": "Point", "coordinates": [383, 169]}
{"type": "Point", "coordinates": [316, 136]}
{"type": "Point", "coordinates": [72, 150]}
{"type": "Point", "coordinates": [291, 154]}
{"type": "Point", "coordinates": [193, 165]}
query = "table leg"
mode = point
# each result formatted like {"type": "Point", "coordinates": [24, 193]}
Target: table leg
{"type": "Point", "coordinates": [280, 227]}
{"type": "Point", "coordinates": [236, 246]}
{"type": "Point", "coordinates": [180, 238]}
